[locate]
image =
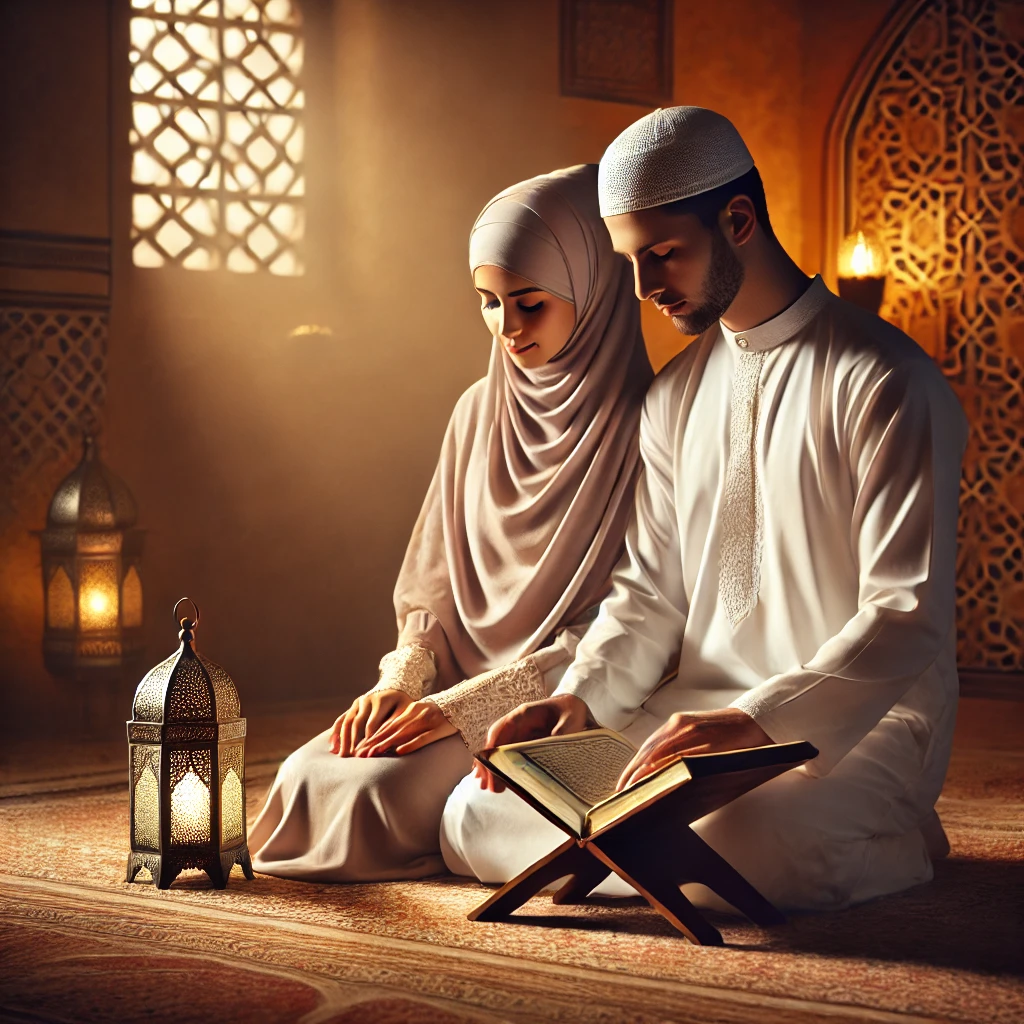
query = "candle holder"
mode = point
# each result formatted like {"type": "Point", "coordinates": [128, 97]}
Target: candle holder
{"type": "Point", "coordinates": [187, 768]}
{"type": "Point", "coordinates": [862, 266]}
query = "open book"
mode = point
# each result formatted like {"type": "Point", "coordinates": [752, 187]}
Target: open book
{"type": "Point", "coordinates": [571, 779]}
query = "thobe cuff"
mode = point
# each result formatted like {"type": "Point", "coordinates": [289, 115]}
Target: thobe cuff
{"type": "Point", "coordinates": [608, 713]}
{"type": "Point", "coordinates": [782, 716]}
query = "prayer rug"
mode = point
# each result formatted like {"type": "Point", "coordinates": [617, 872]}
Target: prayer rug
{"type": "Point", "coordinates": [78, 944]}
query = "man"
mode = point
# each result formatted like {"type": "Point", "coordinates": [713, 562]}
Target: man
{"type": "Point", "coordinates": [792, 550]}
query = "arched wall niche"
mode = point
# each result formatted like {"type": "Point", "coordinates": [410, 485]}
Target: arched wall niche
{"type": "Point", "coordinates": [926, 149]}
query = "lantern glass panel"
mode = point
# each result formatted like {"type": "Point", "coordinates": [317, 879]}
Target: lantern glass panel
{"type": "Point", "coordinates": [97, 595]}
{"type": "Point", "coordinates": [146, 775]}
{"type": "Point", "coordinates": [231, 799]}
{"type": "Point", "coordinates": [190, 796]}
{"type": "Point", "coordinates": [131, 600]}
{"type": "Point", "coordinates": [60, 601]}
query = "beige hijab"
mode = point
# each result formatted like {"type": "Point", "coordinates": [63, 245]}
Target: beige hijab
{"type": "Point", "coordinates": [526, 514]}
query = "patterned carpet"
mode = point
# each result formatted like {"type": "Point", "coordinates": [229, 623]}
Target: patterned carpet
{"type": "Point", "coordinates": [77, 944]}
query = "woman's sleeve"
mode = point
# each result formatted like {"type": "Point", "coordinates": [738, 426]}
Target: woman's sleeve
{"type": "Point", "coordinates": [474, 705]}
{"type": "Point", "coordinates": [421, 628]}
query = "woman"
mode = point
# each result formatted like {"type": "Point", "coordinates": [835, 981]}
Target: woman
{"type": "Point", "coordinates": [521, 527]}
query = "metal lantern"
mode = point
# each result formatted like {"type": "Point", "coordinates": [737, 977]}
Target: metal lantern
{"type": "Point", "coordinates": [186, 758]}
{"type": "Point", "coordinates": [862, 266]}
{"type": "Point", "coordinates": [91, 580]}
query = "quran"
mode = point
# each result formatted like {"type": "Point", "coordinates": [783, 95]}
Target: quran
{"type": "Point", "coordinates": [571, 779]}
{"type": "Point", "coordinates": [641, 833]}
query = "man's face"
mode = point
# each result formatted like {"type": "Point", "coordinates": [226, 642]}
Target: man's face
{"type": "Point", "coordinates": [690, 272]}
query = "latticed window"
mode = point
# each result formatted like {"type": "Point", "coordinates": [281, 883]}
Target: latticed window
{"type": "Point", "coordinates": [217, 138]}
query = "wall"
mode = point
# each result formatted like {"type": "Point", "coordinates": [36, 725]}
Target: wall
{"type": "Point", "coordinates": [279, 478]}
{"type": "Point", "coordinates": [54, 183]}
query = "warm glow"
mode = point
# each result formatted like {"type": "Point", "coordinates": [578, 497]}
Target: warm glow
{"type": "Point", "coordinates": [97, 595]}
{"type": "Point", "coordinates": [861, 255]}
{"type": "Point", "coordinates": [861, 262]}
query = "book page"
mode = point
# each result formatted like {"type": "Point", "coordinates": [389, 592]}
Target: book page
{"type": "Point", "coordinates": [709, 773]}
{"type": "Point", "coordinates": [620, 805]}
{"type": "Point", "coordinates": [587, 764]}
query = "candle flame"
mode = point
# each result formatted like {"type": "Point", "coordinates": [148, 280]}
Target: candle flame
{"type": "Point", "coordinates": [98, 602]}
{"type": "Point", "coordinates": [862, 260]}
{"type": "Point", "coordinates": [190, 810]}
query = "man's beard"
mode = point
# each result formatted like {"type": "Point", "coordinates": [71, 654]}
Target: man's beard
{"type": "Point", "coordinates": [722, 282]}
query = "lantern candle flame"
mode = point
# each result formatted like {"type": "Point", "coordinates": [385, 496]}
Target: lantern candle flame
{"type": "Point", "coordinates": [190, 810]}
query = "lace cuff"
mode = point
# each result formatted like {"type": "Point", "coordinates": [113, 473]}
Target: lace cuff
{"type": "Point", "coordinates": [474, 705]}
{"type": "Point", "coordinates": [410, 669]}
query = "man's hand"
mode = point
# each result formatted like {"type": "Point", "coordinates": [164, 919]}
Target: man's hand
{"type": "Point", "coordinates": [422, 722]}
{"type": "Point", "coordinates": [694, 732]}
{"type": "Point", "coordinates": [553, 716]}
{"type": "Point", "coordinates": [363, 718]}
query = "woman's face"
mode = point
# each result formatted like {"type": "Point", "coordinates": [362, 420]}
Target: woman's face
{"type": "Point", "coordinates": [533, 325]}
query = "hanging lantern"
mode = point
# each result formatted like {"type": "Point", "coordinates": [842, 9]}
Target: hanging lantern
{"type": "Point", "coordinates": [92, 586]}
{"type": "Point", "coordinates": [187, 764]}
{"type": "Point", "coordinates": [862, 266]}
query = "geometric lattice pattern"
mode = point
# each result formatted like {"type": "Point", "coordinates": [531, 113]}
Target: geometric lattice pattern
{"type": "Point", "coordinates": [53, 366]}
{"type": "Point", "coordinates": [191, 695]}
{"type": "Point", "coordinates": [224, 690]}
{"type": "Point", "coordinates": [217, 136]}
{"type": "Point", "coordinates": [151, 693]}
{"type": "Point", "coordinates": [935, 162]}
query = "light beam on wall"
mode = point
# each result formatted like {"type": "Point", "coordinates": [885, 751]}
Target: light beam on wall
{"type": "Point", "coordinates": [217, 140]}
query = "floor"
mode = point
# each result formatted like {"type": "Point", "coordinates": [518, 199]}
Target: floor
{"type": "Point", "coordinates": [78, 944]}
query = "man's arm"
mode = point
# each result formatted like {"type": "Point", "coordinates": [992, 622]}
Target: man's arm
{"type": "Point", "coordinates": [639, 627]}
{"type": "Point", "coordinates": [905, 443]}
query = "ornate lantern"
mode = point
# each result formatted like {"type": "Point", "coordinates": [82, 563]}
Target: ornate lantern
{"type": "Point", "coordinates": [91, 583]}
{"type": "Point", "coordinates": [862, 264]}
{"type": "Point", "coordinates": [187, 764]}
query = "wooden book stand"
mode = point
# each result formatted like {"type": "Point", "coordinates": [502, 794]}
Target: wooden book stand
{"type": "Point", "coordinates": [656, 852]}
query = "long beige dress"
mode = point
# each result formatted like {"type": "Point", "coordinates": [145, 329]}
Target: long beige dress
{"type": "Point", "coordinates": [349, 819]}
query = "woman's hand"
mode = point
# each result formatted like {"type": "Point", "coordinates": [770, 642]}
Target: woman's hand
{"type": "Point", "coordinates": [420, 723]}
{"type": "Point", "coordinates": [553, 716]}
{"type": "Point", "coordinates": [366, 715]}
{"type": "Point", "coordinates": [693, 732]}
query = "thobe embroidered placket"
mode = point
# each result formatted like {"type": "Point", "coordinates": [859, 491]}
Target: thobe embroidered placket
{"type": "Point", "coordinates": [739, 576]}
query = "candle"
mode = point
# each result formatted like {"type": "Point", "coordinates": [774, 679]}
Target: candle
{"type": "Point", "coordinates": [190, 810]}
{"type": "Point", "coordinates": [861, 267]}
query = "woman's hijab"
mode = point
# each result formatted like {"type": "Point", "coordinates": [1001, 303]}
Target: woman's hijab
{"type": "Point", "coordinates": [526, 515]}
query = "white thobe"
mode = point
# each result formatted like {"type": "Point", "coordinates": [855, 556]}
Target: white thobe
{"type": "Point", "coordinates": [831, 619]}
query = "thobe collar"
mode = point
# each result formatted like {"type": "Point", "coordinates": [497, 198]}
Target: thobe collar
{"type": "Point", "coordinates": [783, 326]}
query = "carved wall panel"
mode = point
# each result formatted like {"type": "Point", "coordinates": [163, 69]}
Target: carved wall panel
{"type": "Point", "coordinates": [618, 50]}
{"type": "Point", "coordinates": [52, 381]}
{"type": "Point", "coordinates": [930, 157]}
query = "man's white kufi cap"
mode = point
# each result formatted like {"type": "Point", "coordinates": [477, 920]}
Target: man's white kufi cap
{"type": "Point", "coordinates": [670, 154]}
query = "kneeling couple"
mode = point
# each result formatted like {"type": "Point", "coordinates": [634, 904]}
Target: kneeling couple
{"type": "Point", "coordinates": [773, 528]}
